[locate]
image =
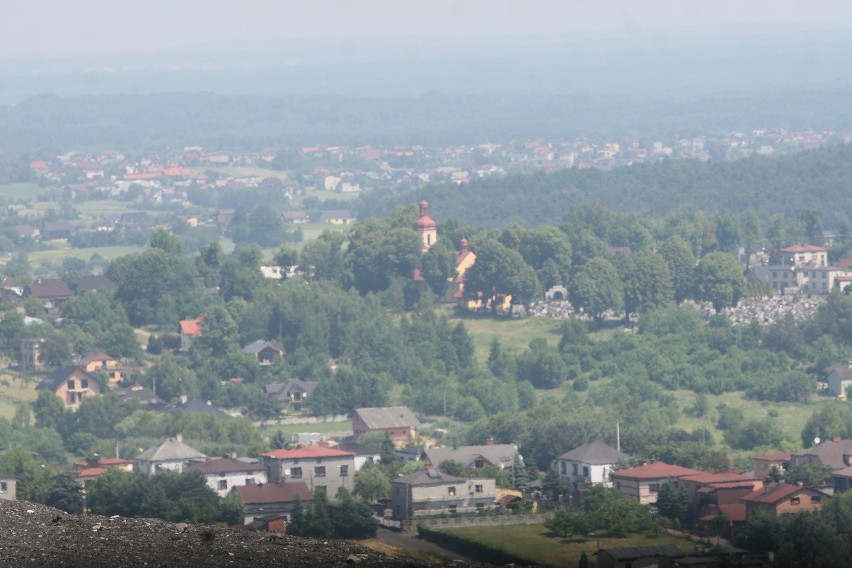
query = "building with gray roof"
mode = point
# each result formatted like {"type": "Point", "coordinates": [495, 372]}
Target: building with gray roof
{"type": "Point", "coordinates": [589, 464]}
{"type": "Point", "coordinates": [169, 453]}
{"type": "Point", "coordinates": [433, 492]}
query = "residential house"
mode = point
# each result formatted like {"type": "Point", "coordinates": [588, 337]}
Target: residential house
{"type": "Point", "coordinates": [267, 500]}
{"type": "Point", "coordinates": [96, 361]}
{"type": "Point", "coordinates": [295, 217]}
{"type": "Point", "coordinates": [10, 291]}
{"type": "Point", "coordinates": [292, 392]}
{"type": "Point", "coordinates": [71, 384]}
{"type": "Point", "coordinates": [8, 488]}
{"type": "Point", "coordinates": [169, 453]}
{"type": "Point", "coordinates": [56, 230]}
{"type": "Point", "coordinates": [87, 471]}
{"type": "Point", "coordinates": [839, 379]}
{"type": "Point", "coordinates": [96, 283]}
{"type": "Point", "coordinates": [476, 457]}
{"type": "Point", "coordinates": [713, 490]}
{"type": "Point", "coordinates": [52, 291]}
{"type": "Point", "coordinates": [264, 351]}
{"type": "Point", "coordinates": [408, 455]}
{"type": "Point", "coordinates": [842, 479]}
{"type": "Point", "coordinates": [803, 255]}
{"type": "Point", "coordinates": [363, 454]}
{"type": "Point", "coordinates": [223, 474]}
{"type": "Point", "coordinates": [195, 405]}
{"type": "Point", "coordinates": [589, 464]}
{"type": "Point", "coordinates": [337, 217]}
{"type": "Point", "coordinates": [835, 453]}
{"type": "Point", "coordinates": [397, 421]}
{"type": "Point", "coordinates": [189, 331]}
{"type": "Point", "coordinates": [323, 469]}
{"type": "Point", "coordinates": [433, 492]}
{"type": "Point", "coordinates": [643, 483]}
{"type": "Point", "coordinates": [781, 498]}
{"type": "Point", "coordinates": [763, 465]}
{"type": "Point", "coordinates": [137, 394]}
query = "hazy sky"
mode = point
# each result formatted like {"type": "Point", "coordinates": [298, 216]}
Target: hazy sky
{"type": "Point", "coordinates": [89, 27]}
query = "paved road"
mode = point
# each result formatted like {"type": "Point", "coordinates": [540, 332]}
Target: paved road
{"type": "Point", "coordinates": [404, 540]}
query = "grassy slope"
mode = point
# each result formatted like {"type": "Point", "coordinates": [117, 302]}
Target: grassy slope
{"type": "Point", "coordinates": [531, 542]}
{"type": "Point", "coordinates": [14, 391]}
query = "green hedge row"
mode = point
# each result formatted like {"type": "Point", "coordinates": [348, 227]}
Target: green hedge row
{"type": "Point", "coordinates": [475, 550]}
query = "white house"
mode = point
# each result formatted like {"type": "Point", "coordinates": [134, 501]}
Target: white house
{"type": "Point", "coordinates": [590, 464]}
{"type": "Point", "coordinates": [223, 474]}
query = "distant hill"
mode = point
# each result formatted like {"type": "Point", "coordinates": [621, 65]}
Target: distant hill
{"type": "Point", "coordinates": [820, 179]}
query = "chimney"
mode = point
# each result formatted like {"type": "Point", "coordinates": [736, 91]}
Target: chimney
{"type": "Point", "coordinates": [183, 399]}
{"type": "Point", "coordinates": [836, 439]}
{"type": "Point", "coordinates": [179, 437]}
{"type": "Point", "coordinates": [489, 441]}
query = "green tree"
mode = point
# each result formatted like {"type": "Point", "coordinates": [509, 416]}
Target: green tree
{"type": "Point", "coordinates": [354, 519]}
{"type": "Point", "coordinates": [750, 227]}
{"type": "Point", "coordinates": [646, 282]}
{"type": "Point", "coordinates": [454, 468]}
{"type": "Point", "coordinates": [681, 263]}
{"type": "Point", "coordinates": [500, 270]}
{"type": "Point", "coordinates": [597, 288]}
{"type": "Point", "coordinates": [166, 242]}
{"type": "Point", "coordinates": [34, 480]}
{"type": "Point", "coordinates": [65, 494]}
{"type": "Point", "coordinates": [372, 482]}
{"type": "Point", "coordinates": [673, 502]}
{"type": "Point", "coordinates": [719, 279]}
{"type": "Point", "coordinates": [437, 266]}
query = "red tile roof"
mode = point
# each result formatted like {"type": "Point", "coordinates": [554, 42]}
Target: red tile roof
{"type": "Point", "coordinates": [274, 493]}
{"type": "Point", "coordinates": [91, 472]}
{"type": "Point", "coordinates": [777, 456]}
{"type": "Point", "coordinates": [306, 452]}
{"type": "Point", "coordinates": [191, 327]}
{"type": "Point", "coordinates": [655, 470]}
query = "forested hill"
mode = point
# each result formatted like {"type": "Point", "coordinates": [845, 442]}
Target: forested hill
{"type": "Point", "coordinates": [820, 179]}
{"type": "Point", "coordinates": [151, 121]}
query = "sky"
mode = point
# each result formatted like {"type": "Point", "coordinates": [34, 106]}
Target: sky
{"type": "Point", "coordinates": [61, 28]}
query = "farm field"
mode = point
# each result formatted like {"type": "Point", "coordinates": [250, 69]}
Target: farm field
{"type": "Point", "coordinates": [532, 542]}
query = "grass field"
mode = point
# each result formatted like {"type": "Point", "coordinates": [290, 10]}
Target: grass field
{"type": "Point", "coordinates": [63, 250]}
{"type": "Point", "coordinates": [532, 542]}
{"type": "Point", "coordinates": [513, 334]}
{"type": "Point", "coordinates": [15, 391]}
{"type": "Point", "coordinates": [20, 191]}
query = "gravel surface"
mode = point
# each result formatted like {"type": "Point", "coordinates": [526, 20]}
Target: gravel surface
{"type": "Point", "coordinates": [36, 535]}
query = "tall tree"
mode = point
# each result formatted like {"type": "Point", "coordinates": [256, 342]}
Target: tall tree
{"type": "Point", "coordinates": [681, 262]}
{"type": "Point", "coordinates": [597, 288]}
{"type": "Point", "coordinates": [719, 279]}
{"type": "Point", "coordinates": [646, 281]}
{"type": "Point", "coordinates": [500, 270]}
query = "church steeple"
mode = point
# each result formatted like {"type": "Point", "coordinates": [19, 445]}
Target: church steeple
{"type": "Point", "coordinates": [426, 227]}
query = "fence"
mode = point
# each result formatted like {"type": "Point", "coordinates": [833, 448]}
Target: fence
{"type": "Point", "coordinates": [304, 420]}
{"type": "Point", "coordinates": [472, 521]}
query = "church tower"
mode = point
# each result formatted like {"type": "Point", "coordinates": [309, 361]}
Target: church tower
{"type": "Point", "coordinates": [426, 227]}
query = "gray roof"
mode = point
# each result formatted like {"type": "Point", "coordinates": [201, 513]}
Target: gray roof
{"type": "Point", "coordinates": [282, 390]}
{"type": "Point", "coordinates": [60, 375]}
{"type": "Point", "coordinates": [388, 417]}
{"type": "Point", "coordinates": [358, 449]}
{"type": "Point", "coordinates": [433, 476]}
{"type": "Point", "coordinates": [830, 453]}
{"type": "Point", "coordinates": [594, 453]}
{"type": "Point", "coordinates": [170, 449]}
{"type": "Point", "coordinates": [195, 405]}
{"type": "Point", "coordinates": [494, 454]}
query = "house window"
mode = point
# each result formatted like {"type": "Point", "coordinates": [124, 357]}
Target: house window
{"type": "Point", "coordinates": [564, 469]}
{"type": "Point", "coordinates": [222, 484]}
{"type": "Point", "coordinates": [451, 491]}
{"type": "Point", "coordinates": [585, 471]}
{"type": "Point", "coordinates": [71, 384]}
{"type": "Point", "coordinates": [69, 398]}
{"type": "Point", "coordinates": [319, 471]}
{"type": "Point", "coordinates": [250, 481]}
{"type": "Point", "coordinates": [84, 383]}
{"type": "Point", "coordinates": [344, 471]}
{"type": "Point", "coordinates": [480, 506]}
{"type": "Point", "coordinates": [3, 487]}
{"type": "Point", "coordinates": [653, 487]}
{"type": "Point", "coordinates": [794, 500]}
{"type": "Point", "coordinates": [575, 469]}
{"type": "Point", "coordinates": [816, 498]}
{"type": "Point", "coordinates": [478, 488]}
{"type": "Point", "coordinates": [296, 473]}
{"type": "Point", "coordinates": [453, 509]}
{"type": "Point", "coordinates": [479, 463]}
